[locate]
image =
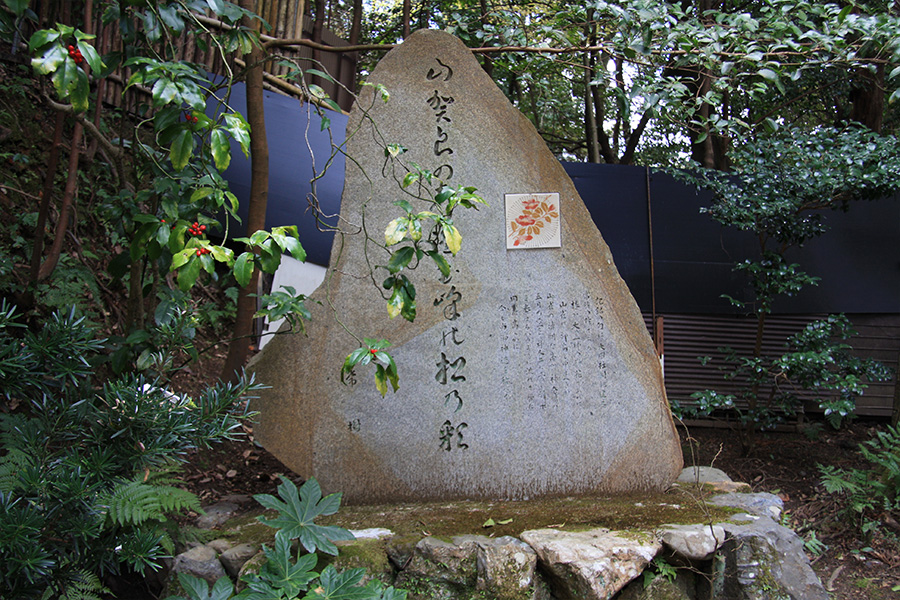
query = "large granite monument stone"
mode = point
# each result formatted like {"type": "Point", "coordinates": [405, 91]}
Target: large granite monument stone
{"type": "Point", "coordinates": [528, 372]}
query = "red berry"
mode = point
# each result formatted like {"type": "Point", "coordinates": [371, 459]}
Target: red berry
{"type": "Point", "coordinates": [373, 350]}
{"type": "Point", "coordinates": [71, 47]}
{"type": "Point", "coordinates": [203, 228]}
{"type": "Point", "coordinates": [162, 220]}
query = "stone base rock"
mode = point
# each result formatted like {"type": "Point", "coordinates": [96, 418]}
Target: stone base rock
{"type": "Point", "coordinates": [591, 565]}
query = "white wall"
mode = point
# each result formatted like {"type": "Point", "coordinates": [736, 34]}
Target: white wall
{"type": "Point", "coordinates": [303, 277]}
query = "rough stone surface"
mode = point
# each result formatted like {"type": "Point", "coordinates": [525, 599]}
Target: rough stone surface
{"type": "Point", "coordinates": [590, 565]}
{"type": "Point", "coordinates": [764, 560]}
{"type": "Point", "coordinates": [693, 542]}
{"type": "Point", "coordinates": [220, 545]}
{"type": "Point", "coordinates": [441, 570]}
{"type": "Point", "coordinates": [702, 475]}
{"type": "Point", "coordinates": [216, 515]}
{"type": "Point", "coordinates": [202, 562]}
{"type": "Point", "coordinates": [762, 504]}
{"type": "Point", "coordinates": [234, 558]}
{"type": "Point", "coordinates": [505, 567]}
{"type": "Point", "coordinates": [661, 588]}
{"type": "Point", "coordinates": [251, 567]}
{"type": "Point", "coordinates": [371, 533]}
{"type": "Point", "coordinates": [528, 373]}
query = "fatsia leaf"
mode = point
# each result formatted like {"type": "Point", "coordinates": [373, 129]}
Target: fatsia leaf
{"type": "Point", "coordinates": [340, 586]}
{"type": "Point", "coordinates": [297, 512]}
{"type": "Point", "coordinates": [282, 573]}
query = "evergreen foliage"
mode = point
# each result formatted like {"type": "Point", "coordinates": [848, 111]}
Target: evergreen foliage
{"type": "Point", "coordinates": [86, 481]}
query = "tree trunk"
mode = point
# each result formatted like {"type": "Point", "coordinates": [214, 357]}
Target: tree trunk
{"type": "Point", "coordinates": [37, 250]}
{"type": "Point", "coordinates": [488, 61]}
{"type": "Point", "coordinates": [407, 17]}
{"type": "Point", "coordinates": [868, 99]}
{"type": "Point", "coordinates": [239, 349]}
{"type": "Point", "coordinates": [65, 209]}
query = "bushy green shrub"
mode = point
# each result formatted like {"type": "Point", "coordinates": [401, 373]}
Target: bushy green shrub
{"type": "Point", "coordinates": [86, 470]}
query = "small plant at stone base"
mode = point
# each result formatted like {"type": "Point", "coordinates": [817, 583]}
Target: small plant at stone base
{"type": "Point", "coordinates": [813, 545]}
{"type": "Point", "coordinates": [284, 576]}
{"type": "Point", "coordinates": [659, 566]}
{"type": "Point", "coordinates": [871, 495]}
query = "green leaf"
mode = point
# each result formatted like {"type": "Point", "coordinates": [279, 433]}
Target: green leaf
{"type": "Point", "coordinates": [354, 358]}
{"type": "Point", "coordinates": [440, 261]}
{"type": "Point", "coordinates": [286, 577]}
{"type": "Point", "coordinates": [221, 149]}
{"type": "Point", "coordinates": [182, 149]}
{"type": "Point", "coordinates": [340, 586]}
{"type": "Point", "coordinates": [239, 129]}
{"type": "Point", "coordinates": [381, 380]}
{"type": "Point", "coordinates": [169, 15]}
{"type": "Point", "coordinates": [321, 74]}
{"type": "Point", "coordinates": [91, 57]}
{"type": "Point", "coordinates": [293, 245]}
{"type": "Point", "coordinates": [243, 268]}
{"type": "Point", "coordinates": [164, 91]}
{"type": "Point", "coordinates": [768, 74]}
{"type": "Point", "coordinates": [17, 6]}
{"type": "Point", "coordinates": [297, 512]}
{"type": "Point", "coordinates": [65, 78]}
{"type": "Point", "coordinates": [41, 38]}
{"type": "Point", "coordinates": [201, 193]}
{"type": "Point", "coordinates": [844, 12]}
{"type": "Point", "coordinates": [188, 274]}
{"type": "Point", "coordinates": [400, 259]}
{"type": "Point", "coordinates": [79, 96]}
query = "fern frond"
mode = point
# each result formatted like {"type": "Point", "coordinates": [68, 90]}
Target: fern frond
{"type": "Point", "coordinates": [136, 502]}
{"type": "Point", "coordinates": [174, 499]}
{"type": "Point", "coordinates": [14, 461]}
{"type": "Point", "coordinates": [82, 585]}
{"type": "Point", "coordinates": [133, 503]}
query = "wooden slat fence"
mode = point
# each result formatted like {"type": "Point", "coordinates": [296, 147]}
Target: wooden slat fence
{"type": "Point", "coordinates": [686, 337]}
{"type": "Point", "coordinates": [287, 23]}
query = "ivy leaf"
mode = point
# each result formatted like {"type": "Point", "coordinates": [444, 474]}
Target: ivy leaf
{"type": "Point", "coordinates": [297, 511]}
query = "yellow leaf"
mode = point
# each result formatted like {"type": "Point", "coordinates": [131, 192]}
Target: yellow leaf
{"type": "Point", "coordinates": [396, 231]}
{"type": "Point", "coordinates": [453, 238]}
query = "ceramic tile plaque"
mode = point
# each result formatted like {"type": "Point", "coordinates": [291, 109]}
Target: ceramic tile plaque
{"type": "Point", "coordinates": [532, 221]}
